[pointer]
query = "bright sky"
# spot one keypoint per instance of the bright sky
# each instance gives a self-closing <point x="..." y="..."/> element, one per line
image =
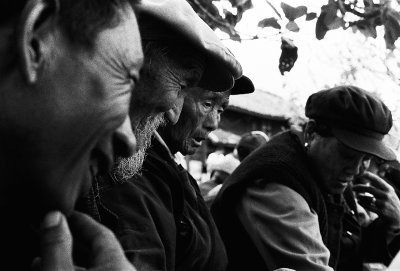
<point x="320" y="64"/>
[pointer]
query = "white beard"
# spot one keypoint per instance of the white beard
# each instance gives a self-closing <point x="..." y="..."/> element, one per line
<point x="126" y="168"/>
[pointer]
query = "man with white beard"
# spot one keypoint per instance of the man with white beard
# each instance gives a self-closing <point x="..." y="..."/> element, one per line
<point x="181" y="52"/>
<point x="182" y="55"/>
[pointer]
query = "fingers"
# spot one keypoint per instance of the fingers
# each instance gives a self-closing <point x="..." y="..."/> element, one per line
<point x="376" y="181"/>
<point x="104" y="248"/>
<point x="55" y="243"/>
<point x="362" y="188"/>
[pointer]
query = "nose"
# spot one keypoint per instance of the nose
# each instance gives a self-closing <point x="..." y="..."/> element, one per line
<point x="212" y="121"/>
<point x="358" y="166"/>
<point x="124" y="140"/>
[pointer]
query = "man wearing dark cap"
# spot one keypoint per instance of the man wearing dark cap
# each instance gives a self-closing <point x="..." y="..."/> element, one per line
<point x="284" y="205"/>
<point x="181" y="52"/>
<point x="163" y="221"/>
<point x="183" y="57"/>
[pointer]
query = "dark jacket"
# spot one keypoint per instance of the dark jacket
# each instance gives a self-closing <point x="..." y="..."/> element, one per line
<point x="161" y="219"/>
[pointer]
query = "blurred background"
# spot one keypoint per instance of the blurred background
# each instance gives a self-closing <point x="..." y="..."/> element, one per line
<point x="293" y="48"/>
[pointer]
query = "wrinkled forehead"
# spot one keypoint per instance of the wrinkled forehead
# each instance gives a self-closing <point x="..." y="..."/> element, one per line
<point x="120" y="47"/>
<point x="202" y="94"/>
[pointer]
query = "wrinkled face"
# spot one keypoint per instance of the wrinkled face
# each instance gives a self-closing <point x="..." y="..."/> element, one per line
<point x="65" y="127"/>
<point x="158" y="99"/>
<point x="336" y="164"/>
<point x="201" y="114"/>
<point x="160" y="89"/>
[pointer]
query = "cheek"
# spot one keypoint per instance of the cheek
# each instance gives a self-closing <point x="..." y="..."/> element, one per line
<point x="163" y="93"/>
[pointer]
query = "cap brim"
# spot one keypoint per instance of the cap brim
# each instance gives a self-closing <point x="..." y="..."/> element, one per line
<point x="243" y="85"/>
<point x="364" y="143"/>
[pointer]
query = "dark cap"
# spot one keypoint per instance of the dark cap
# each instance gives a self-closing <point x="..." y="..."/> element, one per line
<point x="249" y="142"/>
<point x="175" y="20"/>
<point x="243" y="85"/>
<point x="357" y="118"/>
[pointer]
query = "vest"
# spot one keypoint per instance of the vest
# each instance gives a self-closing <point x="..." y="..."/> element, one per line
<point x="282" y="160"/>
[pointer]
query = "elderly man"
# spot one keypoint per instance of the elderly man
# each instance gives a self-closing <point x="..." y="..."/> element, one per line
<point x="284" y="205"/>
<point x="66" y="73"/>
<point x="163" y="221"/>
<point x="183" y="57"/>
<point x="181" y="52"/>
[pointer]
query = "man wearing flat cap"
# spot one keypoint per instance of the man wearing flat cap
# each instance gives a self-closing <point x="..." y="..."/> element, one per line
<point x="284" y="206"/>
<point x="181" y="52"/>
<point x="163" y="221"/>
<point x="184" y="61"/>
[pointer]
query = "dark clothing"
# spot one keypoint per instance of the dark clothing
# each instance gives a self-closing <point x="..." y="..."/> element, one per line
<point x="19" y="242"/>
<point x="283" y="160"/>
<point x="357" y="244"/>
<point x="163" y="222"/>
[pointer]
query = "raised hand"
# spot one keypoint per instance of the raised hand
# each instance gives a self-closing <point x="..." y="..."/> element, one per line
<point x="386" y="203"/>
<point x="103" y="251"/>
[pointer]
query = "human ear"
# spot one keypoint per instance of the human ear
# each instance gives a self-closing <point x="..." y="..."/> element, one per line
<point x="29" y="42"/>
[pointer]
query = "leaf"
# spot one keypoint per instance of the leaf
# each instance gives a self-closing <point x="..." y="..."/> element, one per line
<point x="391" y="21"/>
<point x="335" y="24"/>
<point x="292" y="26"/>
<point x="230" y="18"/>
<point x="288" y="56"/>
<point x="292" y="13"/>
<point x="327" y="20"/>
<point x="311" y="16"/>
<point x="320" y="27"/>
<point x="269" y="22"/>
<point x="331" y="14"/>
<point x="210" y="14"/>
<point x="366" y="28"/>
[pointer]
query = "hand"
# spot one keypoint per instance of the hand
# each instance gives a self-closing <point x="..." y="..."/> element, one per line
<point x="386" y="203"/>
<point x="105" y="253"/>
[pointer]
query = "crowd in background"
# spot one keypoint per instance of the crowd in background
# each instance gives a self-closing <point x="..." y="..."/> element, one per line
<point x="98" y="97"/>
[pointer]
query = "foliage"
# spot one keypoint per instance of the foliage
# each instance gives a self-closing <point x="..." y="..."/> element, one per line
<point x="364" y="16"/>
<point x="288" y="56"/>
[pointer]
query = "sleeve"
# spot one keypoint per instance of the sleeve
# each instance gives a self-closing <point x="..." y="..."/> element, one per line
<point x="146" y="226"/>
<point x="374" y="245"/>
<point x="284" y="228"/>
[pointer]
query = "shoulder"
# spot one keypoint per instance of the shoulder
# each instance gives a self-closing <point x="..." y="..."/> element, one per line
<point x="276" y="196"/>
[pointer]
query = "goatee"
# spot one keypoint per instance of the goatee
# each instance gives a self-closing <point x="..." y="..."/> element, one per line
<point x="126" y="168"/>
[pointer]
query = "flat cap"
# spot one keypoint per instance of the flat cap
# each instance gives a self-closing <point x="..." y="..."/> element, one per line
<point x="175" y="20"/>
<point x="357" y="118"/>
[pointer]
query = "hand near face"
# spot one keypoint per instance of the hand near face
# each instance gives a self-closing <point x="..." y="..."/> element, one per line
<point x="105" y="253"/>
<point x="386" y="203"/>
